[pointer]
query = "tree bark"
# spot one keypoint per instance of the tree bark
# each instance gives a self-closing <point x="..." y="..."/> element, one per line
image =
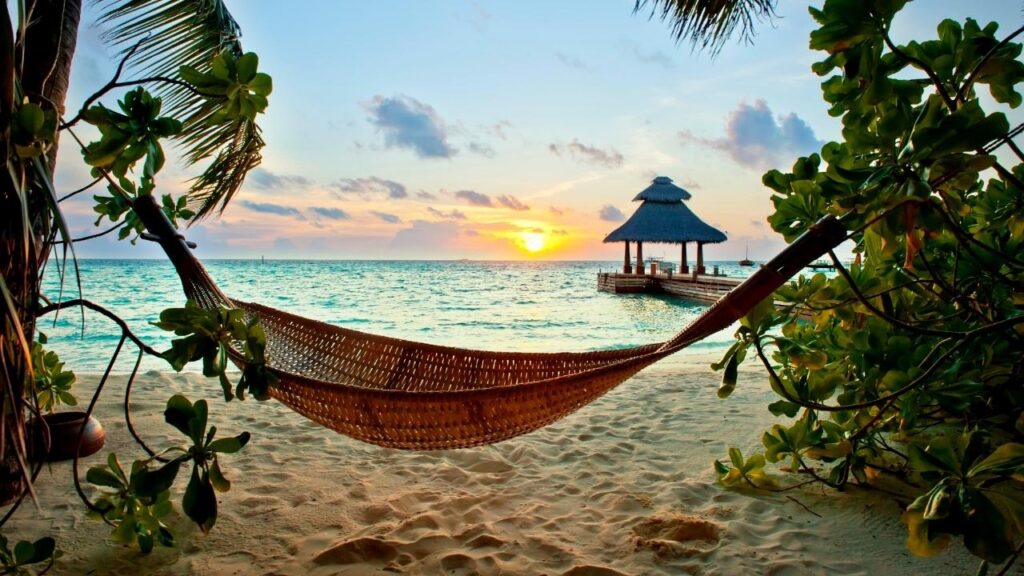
<point x="42" y="64"/>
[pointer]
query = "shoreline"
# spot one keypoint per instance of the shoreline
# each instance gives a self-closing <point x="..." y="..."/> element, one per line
<point x="623" y="486"/>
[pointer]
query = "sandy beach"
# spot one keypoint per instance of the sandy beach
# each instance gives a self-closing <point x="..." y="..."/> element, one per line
<point x="624" y="486"/>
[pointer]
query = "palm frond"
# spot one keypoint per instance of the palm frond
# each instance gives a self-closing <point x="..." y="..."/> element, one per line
<point x="174" y="33"/>
<point x="708" y="24"/>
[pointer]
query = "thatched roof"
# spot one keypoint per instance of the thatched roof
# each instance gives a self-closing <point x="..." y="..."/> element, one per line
<point x="664" y="217"/>
<point x="663" y="190"/>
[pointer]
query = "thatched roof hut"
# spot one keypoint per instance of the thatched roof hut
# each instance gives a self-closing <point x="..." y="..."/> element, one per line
<point x="664" y="217"/>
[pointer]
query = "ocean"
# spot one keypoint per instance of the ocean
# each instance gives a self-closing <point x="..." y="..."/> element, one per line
<point x="514" y="306"/>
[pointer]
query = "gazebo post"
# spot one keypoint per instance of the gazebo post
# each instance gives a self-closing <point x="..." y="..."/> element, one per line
<point x="639" y="257"/>
<point x="627" y="268"/>
<point x="684" y="265"/>
<point x="700" y="258"/>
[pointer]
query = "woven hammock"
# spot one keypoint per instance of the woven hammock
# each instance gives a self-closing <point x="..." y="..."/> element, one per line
<point x="403" y="394"/>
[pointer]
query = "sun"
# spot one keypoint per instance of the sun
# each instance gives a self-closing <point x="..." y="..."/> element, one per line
<point x="533" y="241"/>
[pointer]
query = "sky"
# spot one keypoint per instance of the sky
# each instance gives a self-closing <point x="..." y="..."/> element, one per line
<point x="498" y="130"/>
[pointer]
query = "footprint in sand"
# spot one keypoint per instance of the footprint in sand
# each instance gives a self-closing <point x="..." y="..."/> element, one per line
<point x="588" y="570"/>
<point x="359" y="550"/>
<point x="485" y="541"/>
<point x="676" y="536"/>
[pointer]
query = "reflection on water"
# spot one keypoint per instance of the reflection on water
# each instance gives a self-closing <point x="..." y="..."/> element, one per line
<point x="522" y="306"/>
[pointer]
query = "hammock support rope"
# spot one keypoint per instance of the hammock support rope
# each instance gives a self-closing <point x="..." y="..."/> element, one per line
<point x="403" y="394"/>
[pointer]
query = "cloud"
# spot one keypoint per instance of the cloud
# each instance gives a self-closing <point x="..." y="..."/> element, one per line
<point x="657" y="58"/>
<point x="263" y="179"/>
<point x="756" y="223"/>
<point x="332" y="213"/>
<point x="425" y="239"/>
<point x="284" y="245"/>
<point x="512" y="202"/>
<point x="571" y="61"/>
<point x="452" y="214"/>
<point x="474" y="198"/>
<point x="410" y="124"/>
<point x="560" y="232"/>
<point x="499" y="129"/>
<point x="481" y="148"/>
<point x="610" y="158"/>
<point x="389" y="218"/>
<point x="270" y="208"/>
<point x="610" y="213"/>
<point x="556" y="211"/>
<point x="370" y="187"/>
<point x="756" y="139"/>
<point x="424" y="195"/>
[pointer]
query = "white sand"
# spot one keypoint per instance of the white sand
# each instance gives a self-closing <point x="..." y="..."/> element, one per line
<point x="625" y="486"/>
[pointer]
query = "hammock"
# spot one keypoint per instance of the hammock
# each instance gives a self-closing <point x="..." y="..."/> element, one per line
<point x="403" y="394"/>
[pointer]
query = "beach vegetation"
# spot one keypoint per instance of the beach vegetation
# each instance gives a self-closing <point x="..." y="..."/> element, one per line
<point x="51" y="381"/>
<point x="40" y="555"/>
<point x="140" y="500"/>
<point x="182" y="78"/>
<point x="906" y="364"/>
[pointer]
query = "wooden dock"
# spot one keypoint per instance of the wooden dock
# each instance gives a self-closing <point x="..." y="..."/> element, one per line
<point x="702" y="288"/>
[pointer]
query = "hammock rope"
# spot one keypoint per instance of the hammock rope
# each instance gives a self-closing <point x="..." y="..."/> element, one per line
<point x="403" y="394"/>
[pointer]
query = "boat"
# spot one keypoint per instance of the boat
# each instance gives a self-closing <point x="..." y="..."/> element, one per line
<point x="746" y="258"/>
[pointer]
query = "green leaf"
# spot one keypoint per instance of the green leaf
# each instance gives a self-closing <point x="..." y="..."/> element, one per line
<point x="103" y="477"/>
<point x="44" y="549"/>
<point x="939" y="502"/>
<point x="784" y="408"/>
<point x="1007" y="459"/>
<point x="217" y="479"/>
<point x="736" y="457"/>
<point x="197" y="424"/>
<point x="115" y="467"/>
<point x="149" y="483"/>
<point x="179" y="413"/>
<point x="1011" y="506"/>
<point x="24" y="552"/>
<point x="729" y="377"/>
<point x="920" y="540"/>
<point x="229" y="445"/>
<point x="247" y="65"/>
<point x="262" y="85"/>
<point x="124" y="532"/>
<point x="759" y="315"/>
<point x="936" y="456"/>
<point x="985" y="532"/>
<point x="200" y="501"/>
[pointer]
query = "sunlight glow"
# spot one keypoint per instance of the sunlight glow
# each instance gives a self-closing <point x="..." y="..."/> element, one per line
<point x="533" y="241"/>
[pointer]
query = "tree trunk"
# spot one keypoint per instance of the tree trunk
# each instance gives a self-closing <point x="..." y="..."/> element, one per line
<point x="42" y="64"/>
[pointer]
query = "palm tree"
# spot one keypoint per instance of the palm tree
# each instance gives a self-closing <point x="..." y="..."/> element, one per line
<point x="708" y="24"/>
<point x="156" y="37"/>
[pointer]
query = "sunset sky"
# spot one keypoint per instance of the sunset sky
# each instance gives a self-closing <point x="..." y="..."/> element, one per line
<point x="500" y="130"/>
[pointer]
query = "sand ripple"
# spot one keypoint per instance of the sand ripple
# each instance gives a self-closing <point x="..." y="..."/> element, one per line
<point x="623" y="487"/>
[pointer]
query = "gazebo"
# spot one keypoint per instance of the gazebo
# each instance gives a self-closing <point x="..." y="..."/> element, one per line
<point x="663" y="217"/>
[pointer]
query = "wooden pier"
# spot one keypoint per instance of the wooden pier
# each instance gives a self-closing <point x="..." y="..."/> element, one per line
<point x="700" y="287"/>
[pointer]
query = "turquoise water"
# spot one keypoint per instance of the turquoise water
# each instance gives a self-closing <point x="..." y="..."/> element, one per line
<point x="519" y="306"/>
